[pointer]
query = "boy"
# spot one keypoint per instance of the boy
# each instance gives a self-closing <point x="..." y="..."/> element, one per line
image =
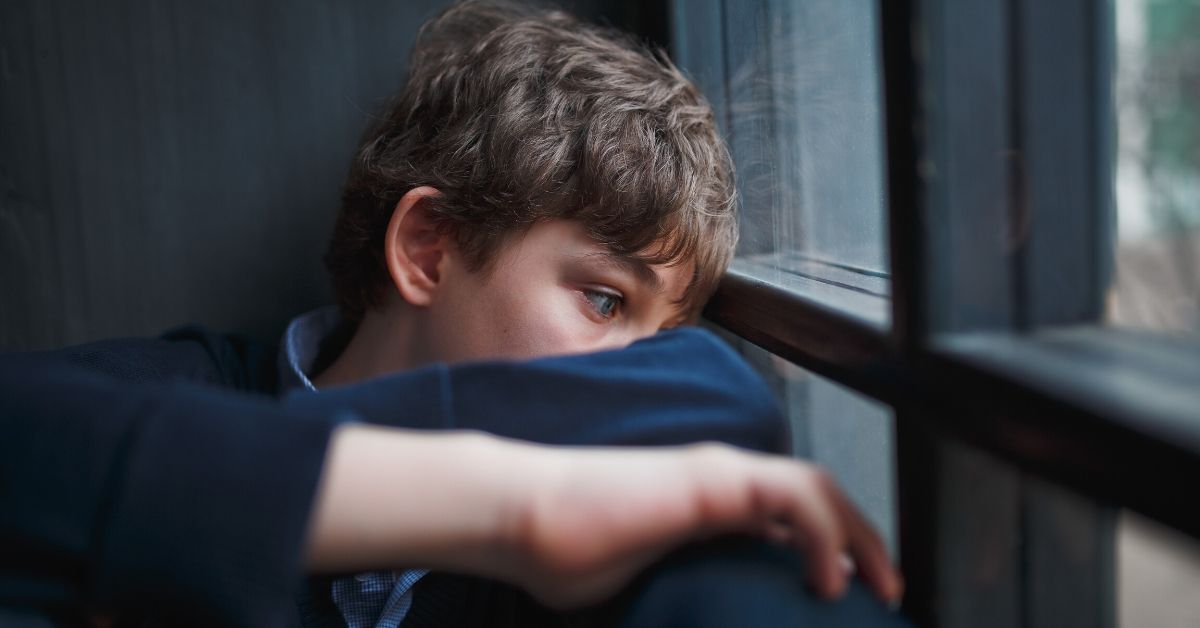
<point x="539" y="187"/>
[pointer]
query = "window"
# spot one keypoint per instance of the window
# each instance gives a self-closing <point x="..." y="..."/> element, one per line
<point x="946" y="237"/>
<point x="798" y="92"/>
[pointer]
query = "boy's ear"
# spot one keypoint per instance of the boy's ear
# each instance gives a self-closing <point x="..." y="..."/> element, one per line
<point x="415" y="247"/>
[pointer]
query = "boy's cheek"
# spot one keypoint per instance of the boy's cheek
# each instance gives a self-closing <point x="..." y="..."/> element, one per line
<point x="553" y="326"/>
<point x="504" y="327"/>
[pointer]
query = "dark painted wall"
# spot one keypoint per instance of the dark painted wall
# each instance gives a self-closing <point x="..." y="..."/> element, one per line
<point x="164" y="162"/>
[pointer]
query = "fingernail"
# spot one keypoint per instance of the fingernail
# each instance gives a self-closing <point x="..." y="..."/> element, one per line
<point x="848" y="566"/>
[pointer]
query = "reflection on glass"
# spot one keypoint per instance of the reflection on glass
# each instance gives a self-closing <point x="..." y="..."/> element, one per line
<point x="825" y="71"/>
<point x="801" y="108"/>
<point x="1158" y="165"/>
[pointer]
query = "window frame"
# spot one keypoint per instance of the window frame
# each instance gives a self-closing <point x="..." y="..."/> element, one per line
<point x="1039" y="382"/>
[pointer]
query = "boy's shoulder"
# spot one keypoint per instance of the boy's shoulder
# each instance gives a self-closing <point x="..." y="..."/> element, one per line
<point x="190" y="353"/>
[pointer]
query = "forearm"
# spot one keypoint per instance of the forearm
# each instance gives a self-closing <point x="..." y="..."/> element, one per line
<point x="569" y="525"/>
<point x="394" y="498"/>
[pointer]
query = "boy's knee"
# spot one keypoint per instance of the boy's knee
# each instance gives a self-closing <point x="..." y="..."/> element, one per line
<point x="743" y="582"/>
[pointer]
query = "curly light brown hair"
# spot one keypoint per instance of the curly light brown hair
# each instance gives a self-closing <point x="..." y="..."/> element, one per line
<point x="518" y="114"/>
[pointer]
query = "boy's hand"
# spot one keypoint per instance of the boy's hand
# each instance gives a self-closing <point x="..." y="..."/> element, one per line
<point x="599" y="516"/>
<point x="572" y="525"/>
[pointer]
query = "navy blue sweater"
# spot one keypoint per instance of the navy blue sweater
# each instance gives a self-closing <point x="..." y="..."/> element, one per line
<point x="163" y="477"/>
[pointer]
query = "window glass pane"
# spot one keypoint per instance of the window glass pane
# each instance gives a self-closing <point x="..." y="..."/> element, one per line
<point x="797" y="86"/>
<point x="1157" y="90"/>
<point x="1158" y="570"/>
<point x="826" y="69"/>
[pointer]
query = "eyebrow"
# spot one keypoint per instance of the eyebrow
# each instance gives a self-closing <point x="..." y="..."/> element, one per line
<point x="632" y="265"/>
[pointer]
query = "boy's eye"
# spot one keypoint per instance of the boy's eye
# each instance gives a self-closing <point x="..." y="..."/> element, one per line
<point x="606" y="304"/>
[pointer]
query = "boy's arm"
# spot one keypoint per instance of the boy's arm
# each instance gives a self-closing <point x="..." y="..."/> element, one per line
<point x="185" y="499"/>
<point x="673" y="388"/>
<point x="572" y="526"/>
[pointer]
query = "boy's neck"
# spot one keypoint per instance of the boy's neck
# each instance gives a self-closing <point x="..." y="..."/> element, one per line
<point x="380" y="345"/>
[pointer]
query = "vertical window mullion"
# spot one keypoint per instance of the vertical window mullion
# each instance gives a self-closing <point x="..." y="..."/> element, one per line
<point x="1060" y="71"/>
<point x="949" y="159"/>
<point x="992" y="231"/>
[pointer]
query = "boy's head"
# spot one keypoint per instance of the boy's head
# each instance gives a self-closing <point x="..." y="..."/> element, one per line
<point x="533" y="168"/>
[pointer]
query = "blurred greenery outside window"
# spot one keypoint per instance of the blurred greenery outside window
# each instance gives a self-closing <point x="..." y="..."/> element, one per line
<point x="1157" y="103"/>
<point x="1157" y="257"/>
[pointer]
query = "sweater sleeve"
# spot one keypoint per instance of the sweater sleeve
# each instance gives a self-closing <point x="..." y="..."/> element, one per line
<point x="177" y="500"/>
<point x="191" y="502"/>
<point x="675" y="387"/>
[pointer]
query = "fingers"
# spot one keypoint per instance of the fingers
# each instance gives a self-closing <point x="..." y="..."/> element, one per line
<point x="827" y="527"/>
<point x="869" y="552"/>
<point x="824" y="537"/>
<point x="794" y="507"/>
